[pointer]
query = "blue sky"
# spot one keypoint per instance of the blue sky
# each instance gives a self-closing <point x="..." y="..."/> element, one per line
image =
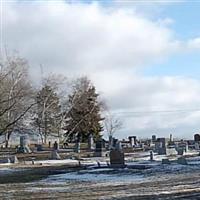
<point x="186" y="16"/>
<point x="141" y="61"/>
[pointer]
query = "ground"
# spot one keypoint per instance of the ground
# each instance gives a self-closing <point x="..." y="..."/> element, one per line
<point x="76" y="178"/>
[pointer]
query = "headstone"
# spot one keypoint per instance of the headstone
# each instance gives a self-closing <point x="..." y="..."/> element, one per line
<point x="55" y="145"/>
<point x="110" y="144"/>
<point x="91" y="142"/>
<point x="153" y="138"/>
<point x="24" y="142"/>
<point x="77" y="147"/>
<point x="118" y="146"/>
<point x="180" y="151"/>
<point x="182" y="161"/>
<point x="14" y="159"/>
<point x="160" y="146"/>
<point x="55" y="155"/>
<point x="171" y="151"/>
<point x="117" y="158"/>
<point x="151" y="155"/>
<point x="196" y="145"/>
<point x="39" y="147"/>
<point x="78" y="144"/>
<point x="98" y="149"/>
<point x="132" y="140"/>
<point x="166" y="161"/>
<point x="186" y="147"/>
<point x="4" y="160"/>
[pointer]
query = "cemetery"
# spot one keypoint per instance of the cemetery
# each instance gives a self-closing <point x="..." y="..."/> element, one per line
<point x="144" y="166"/>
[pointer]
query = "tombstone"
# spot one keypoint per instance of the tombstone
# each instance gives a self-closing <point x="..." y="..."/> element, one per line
<point x="166" y="161"/>
<point x="90" y="142"/>
<point x="55" y="155"/>
<point x="77" y="147"/>
<point x="153" y="138"/>
<point x="110" y="146"/>
<point x="39" y="147"/>
<point x="4" y="160"/>
<point x="132" y="140"/>
<point x="55" y="146"/>
<point x="78" y="144"/>
<point x="114" y="143"/>
<point x="117" y="158"/>
<point x="182" y="161"/>
<point x="118" y="146"/>
<point x="160" y="146"/>
<point x="99" y="149"/>
<point x="14" y="159"/>
<point x="171" y="151"/>
<point x="24" y="142"/>
<point x="196" y="146"/>
<point x="151" y="155"/>
<point x="180" y="151"/>
<point x="197" y="138"/>
<point x="186" y="147"/>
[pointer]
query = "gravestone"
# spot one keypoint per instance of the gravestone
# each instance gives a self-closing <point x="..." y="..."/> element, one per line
<point x="196" y="146"/>
<point x="166" y="161"/>
<point x="117" y="158"/>
<point x="180" y="151"/>
<point x="90" y="142"/>
<point x="24" y="142"/>
<point x="55" y="155"/>
<point x="99" y="149"/>
<point x="110" y="145"/>
<point x="4" y="160"/>
<point x="160" y="146"/>
<point x="77" y="147"/>
<point x="151" y="155"/>
<point x="78" y="144"/>
<point x="39" y="147"/>
<point x="55" y="146"/>
<point x="118" y="146"/>
<point x="132" y="140"/>
<point x="182" y="161"/>
<point x="13" y="159"/>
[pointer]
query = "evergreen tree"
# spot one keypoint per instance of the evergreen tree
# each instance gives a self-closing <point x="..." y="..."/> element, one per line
<point x="83" y="117"/>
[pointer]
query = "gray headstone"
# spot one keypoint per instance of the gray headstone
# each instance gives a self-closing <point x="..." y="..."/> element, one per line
<point x="55" y="155"/>
<point x="77" y="147"/>
<point x="4" y="160"/>
<point x="151" y="155"/>
<point x="55" y="145"/>
<point x="14" y="159"/>
<point x="196" y="145"/>
<point x="117" y="158"/>
<point x="118" y="146"/>
<point x="39" y="147"/>
<point x="182" y="161"/>
<point x="24" y="142"/>
<point x="166" y="161"/>
<point x="91" y="142"/>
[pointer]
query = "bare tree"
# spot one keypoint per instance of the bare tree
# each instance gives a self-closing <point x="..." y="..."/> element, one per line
<point x="112" y="124"/>
<point x="15" y="94"/>
<point x="48" y="115"/>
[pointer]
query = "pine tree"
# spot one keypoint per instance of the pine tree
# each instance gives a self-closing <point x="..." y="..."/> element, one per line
<point x="83" y="117"/>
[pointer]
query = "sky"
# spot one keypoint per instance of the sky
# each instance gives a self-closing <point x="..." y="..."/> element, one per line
<point x="142" y="56"/>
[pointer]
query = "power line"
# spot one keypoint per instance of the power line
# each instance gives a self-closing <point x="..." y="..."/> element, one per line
<point x="140" y="113"/>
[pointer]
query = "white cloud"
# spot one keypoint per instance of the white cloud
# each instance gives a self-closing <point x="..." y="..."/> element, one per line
<point x="109" y="45"/>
